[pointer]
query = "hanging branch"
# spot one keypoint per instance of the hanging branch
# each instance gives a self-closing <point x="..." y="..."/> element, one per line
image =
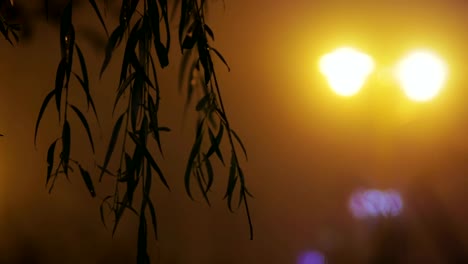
<point x="144" y="27"/>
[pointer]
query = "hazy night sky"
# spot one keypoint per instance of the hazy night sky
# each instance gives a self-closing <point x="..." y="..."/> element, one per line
<point x="308" y="148"/>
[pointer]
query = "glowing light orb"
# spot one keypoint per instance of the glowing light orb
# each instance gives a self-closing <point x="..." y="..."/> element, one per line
<point x="346" y="70"/>
<point x="311" y="257"/>
<point x="375" y="203"/>
<point x="422" y="75"/>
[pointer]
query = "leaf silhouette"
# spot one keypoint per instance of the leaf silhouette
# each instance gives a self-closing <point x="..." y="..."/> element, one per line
<point x="192" y="36"/>
<point x="151" y="161"/>
<point x="59" y="81"/>
<point x="130" y="47"/>
<point x="201" y="180"/>
<point x="136" y="100"/>
<point x="153" y="113"/>
<point x="130" y="176"/>
<point x="232" y="181"/>
<point x="110" y="148"/>
<point x="41" y="112"/>
<point x="119" y="211"/>
<point x="87" y="180"/>
<point x="210" y="172"/>
<point x="193" y="154"/>
<point x="164" y="11"/>
<point x="66" y="144"/>
<point x="147" y="190"/>
<point x="220" y="57"/>
<point x="85" y="124"/>
<point x="67" y="38"/>
<point x="209" y="31"/>
<point x="203" y="102"/>
<point x="215" y="142"/>
<point x="85" y="81"/>
<point x="142" y="255"/>
<point x="153" y="218"/>
<point x="112" y="43"/>
<point x="98" y="13"/>
<point x="123" y="87"/>
<point x="240" y="143"/>
<point x="50" y="160"/>
<point x="161" y="50"/>
<point x="101" y="209"/>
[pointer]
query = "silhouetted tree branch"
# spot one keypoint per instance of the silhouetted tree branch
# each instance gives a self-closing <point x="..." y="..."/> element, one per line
<point x="144" y="32"/>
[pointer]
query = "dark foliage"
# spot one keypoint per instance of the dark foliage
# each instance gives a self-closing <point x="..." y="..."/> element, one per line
<point x="143" y="31"/>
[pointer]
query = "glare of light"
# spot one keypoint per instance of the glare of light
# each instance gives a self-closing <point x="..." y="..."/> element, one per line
<point x="311" y="257"/>
<point x="346" y="70"/>
<point x="422" y="75"/>
<point x="375" y="203"/>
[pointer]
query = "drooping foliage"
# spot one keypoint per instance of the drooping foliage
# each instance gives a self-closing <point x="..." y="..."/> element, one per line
<point x="143" y="31"/>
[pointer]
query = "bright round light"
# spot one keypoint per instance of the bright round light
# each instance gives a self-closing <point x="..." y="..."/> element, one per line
<point x="346" y="70"/>
<point x="422" y="75"/>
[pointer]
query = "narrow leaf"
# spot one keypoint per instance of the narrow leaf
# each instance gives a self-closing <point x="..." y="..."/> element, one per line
<point x="210" y="172"/>
<point x="242" y="186"/>
<point x="123" y="87"/>
<point x="41" y="112"/>
<point x="231" y="181"/>
<point x="161" y="50"/>
<point x="110" y="148"/>
<point x="119" y="212"/>
<point x="209" y="31"/>
<point x="59" y="81"/>
<point x="50" y="160"/>
<point x="163" y="5"/>
<point x="138" y="68"/>
<point x="85" y="124"/>
<point x="66" y="144"/>
<point x="136" y="101"/>
<point x="200" y="179"/>
<point x="112" y="43"/>
<point x="153" y="113"/>
<point x="87" y="180"/>
<point x="150" y="159"/>
<point x="203" y="101"/>
<point x="221" y="57"/>
<point x="193" y="154"/>
<point x="240" y="143"/>
<point x="85" y="80"/>
<point x="130" y="176"/>
<point x="101" y="209"/>
<point x="215" y="143"/>
<point x="67" y="38"/>
<point x="142" y="254"/>
<point x="106" y="171"/>
<point x="98" y="13"/>
<point x="153" y="218"/>
<point x="132" y="41"/>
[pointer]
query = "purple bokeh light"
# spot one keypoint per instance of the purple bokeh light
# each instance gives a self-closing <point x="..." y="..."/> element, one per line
<point x="374" y="203"/>
<point x="311" y="257"/>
